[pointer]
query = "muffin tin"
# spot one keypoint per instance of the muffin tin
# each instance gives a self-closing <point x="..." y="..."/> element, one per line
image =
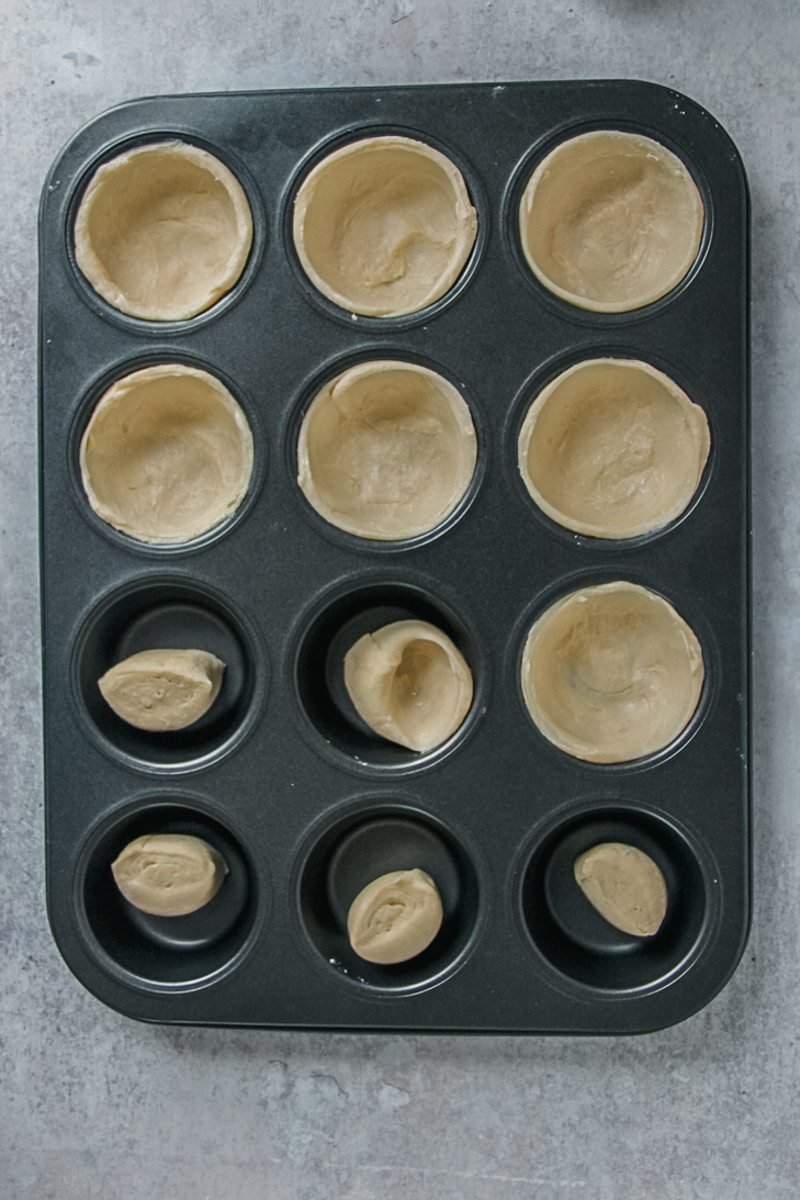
<point x="305" y="804"/>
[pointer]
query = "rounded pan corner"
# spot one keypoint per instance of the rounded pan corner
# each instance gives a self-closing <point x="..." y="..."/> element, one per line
<point x="697" y="1003"/>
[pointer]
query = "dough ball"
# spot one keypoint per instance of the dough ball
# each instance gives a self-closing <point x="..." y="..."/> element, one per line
<point x="611" y="221"/>
<point x="409" y="683"/>
<point x="625" y="886"/>
<point x="167" y="454"/>
<point x="613" y="448"/>
<point x="160" y="690"/>
<point x="384" y="226"/>
<point x="395" y="917"/>
<point x="169" y="874"/>
<point x="163" y="231"/>
<point x="386" y="450"/>
<point x="611" y="673"/>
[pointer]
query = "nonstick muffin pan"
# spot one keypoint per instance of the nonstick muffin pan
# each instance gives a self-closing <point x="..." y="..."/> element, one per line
<point x="281" y="775"/>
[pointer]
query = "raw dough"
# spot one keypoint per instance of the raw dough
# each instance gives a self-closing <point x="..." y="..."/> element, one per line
<point x="409" y="683"/>
<point x="384" y="226"/>
<point x="611" y="221"/>
<point x="163" y="231"/>
<point x="395" y="917"/>
<point x="169" y="874"/>
<point x="167" y="454"/>
<point x="160" y="690"/>
<point x="611" y="673"/>
<point x="625" y="886"/>
<point x="613" y="448"/>
<point x="386" y="450"/>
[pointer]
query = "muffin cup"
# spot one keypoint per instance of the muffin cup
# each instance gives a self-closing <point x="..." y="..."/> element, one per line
<point x="384" y="226"/>
<point x="611" y="221"/>
<point x="125" y="231"/>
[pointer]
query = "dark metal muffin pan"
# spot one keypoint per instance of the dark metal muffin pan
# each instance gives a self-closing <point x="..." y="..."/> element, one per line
<point x="304" y="802"/>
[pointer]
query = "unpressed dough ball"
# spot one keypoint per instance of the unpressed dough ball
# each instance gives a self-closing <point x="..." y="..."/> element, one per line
<point x="395" y="917"/>
<point x="169" y="874"/>
<point x="162" y="690"/>
<point x="625" y="886"/>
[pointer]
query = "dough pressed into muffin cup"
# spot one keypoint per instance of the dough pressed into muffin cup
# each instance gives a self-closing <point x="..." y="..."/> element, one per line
<point x="611" y="221"/>
<point x="386" y="450"/>
<point x="384" y="226"/>
<point x="410" y="683"/>
<point x="611" y="673"/>
<point x="163" y="231"/>
<point x="167" y="454"/>
<point x="613" y="448"/>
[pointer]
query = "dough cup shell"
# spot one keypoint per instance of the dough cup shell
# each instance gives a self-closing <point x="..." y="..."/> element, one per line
<point x="163" y="231"/>
<point x="167" y="454"/>
<point x="611" y="221"/>
<point x="611" y="673"/>
<point x="386" y="450"/>
<point x="613" y="448"/>
<point x="384" y="226"/>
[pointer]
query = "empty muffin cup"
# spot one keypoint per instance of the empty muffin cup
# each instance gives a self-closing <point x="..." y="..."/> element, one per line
<point x="611" y="673"/>
<point x="163" y="231"/>
<point x="386" y="450"/>
<point x="167" y="454"/>
<point x="410" y="683"/>
<point x="613" y="448"/>
<point x="610" y="221"/>
<point x="384" y="226"/>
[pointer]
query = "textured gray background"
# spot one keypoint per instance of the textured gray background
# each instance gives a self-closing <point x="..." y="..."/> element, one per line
<point x="94" y="1105"/>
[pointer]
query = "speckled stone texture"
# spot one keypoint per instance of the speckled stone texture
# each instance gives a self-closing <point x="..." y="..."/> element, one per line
<point x="94" y="1105"/>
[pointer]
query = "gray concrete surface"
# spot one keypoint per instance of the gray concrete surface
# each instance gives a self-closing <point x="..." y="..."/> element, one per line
<point x="93" y="1105"/>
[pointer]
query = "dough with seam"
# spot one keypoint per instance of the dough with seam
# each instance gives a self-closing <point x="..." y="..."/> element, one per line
<point x="169" y="874"/>
<point x="395" y="917"/>
<point x="163" y="690"/>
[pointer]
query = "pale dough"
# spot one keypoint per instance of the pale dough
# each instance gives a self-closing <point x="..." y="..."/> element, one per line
<point x="169" y="874"/>
<point x="611" y="221"/>
<point x="386" y="450"/>
<point x="409" y="683"/>
<point x="167" y="454"/>
<point x="613" y="448"/>
<point x="625" y="886"/>
<point x="395" y="917"/>
<point x="161" y="690"/>
<point x="163" y="231"/>
<point x="611" y="673"/>
<point x="384" y="226"/>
